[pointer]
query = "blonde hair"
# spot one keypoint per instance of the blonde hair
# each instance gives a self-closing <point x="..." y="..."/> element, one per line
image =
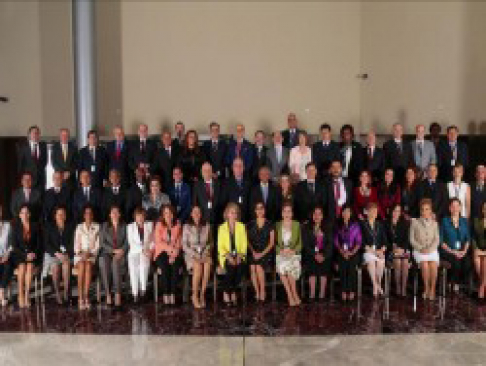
<point x="231" y="206"/>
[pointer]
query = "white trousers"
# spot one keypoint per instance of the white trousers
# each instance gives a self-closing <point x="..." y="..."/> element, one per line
<point x="138" y="267"/>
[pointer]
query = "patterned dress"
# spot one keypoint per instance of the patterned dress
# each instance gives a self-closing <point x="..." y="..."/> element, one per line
<point x="259" y="238"/>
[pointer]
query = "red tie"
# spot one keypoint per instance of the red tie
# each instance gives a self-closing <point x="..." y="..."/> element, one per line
<point x="208" y="191"/>
<point x="337" y="196"/>
<point x="118" y="151"/>
<point x="238" y="149"/>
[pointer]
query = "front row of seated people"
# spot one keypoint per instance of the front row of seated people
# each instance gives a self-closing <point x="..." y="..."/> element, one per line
<point x="315" y="248"/>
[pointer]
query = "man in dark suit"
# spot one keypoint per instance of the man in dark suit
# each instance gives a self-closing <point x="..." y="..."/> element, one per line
<point x="32" y="158"/>
<point x="118" y="151"/>
<point x="180" y="135"/>
<point x="436" y="190"/>
<point x="165" y="159"/>
<point x="207" y="195"/>
<point x="93" y="159"/>
<point x="84" y="195"/>
<point x="215" y="150"/>
<point x="135" y="193"/>
<point x="325" y="151"/>
<point x="337" y="192"/>
<point x="240" y="147"/>
<point x="26" y="194"/>
<point x="265" y="192"/>
<point x="291" y="134"/>
<point x="373" y="158"/>
<point x="398" y="154"/>
<point x="57" y="196"/>
<point x="180" y="195"/>
<point x="478" y="192"/>
<point x="237" y="189"/>
<point x="64" y="157"/>
<point x="450" y="153"/>
<point x="260" y="154"/>
<point x="114" y="195"/>
<point x="351" y="154"/>
<point x="309" y="194"/>
<point x="142" y="150"/>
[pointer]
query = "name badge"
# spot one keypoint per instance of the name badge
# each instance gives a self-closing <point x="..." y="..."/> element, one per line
<point x="93" y="168"/>
<point x="240" y="200"/>
<point x="458" y="245"/>
<point x="373" y="247"/>
<point x="63" y="250"/>
<point x="210" y="204"/>
<point x="233" y="253"/>
<point x="316" y="249"/>
<point x="453" y="162"/>
<point x="345" y="246"/>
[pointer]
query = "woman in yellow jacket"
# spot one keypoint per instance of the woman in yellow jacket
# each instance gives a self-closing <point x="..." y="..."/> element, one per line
<point x="232" y="248"/>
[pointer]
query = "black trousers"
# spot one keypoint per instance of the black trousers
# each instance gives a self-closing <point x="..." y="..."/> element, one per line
<point x="348" y="272"/>
<point x="170" y="273"/>
<point x="6" y="273"/>
<point x="459" y="267"/>
<point x="233" y="277"/>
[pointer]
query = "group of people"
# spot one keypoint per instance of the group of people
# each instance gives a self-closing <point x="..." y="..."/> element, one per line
<point x="237" y="208"/>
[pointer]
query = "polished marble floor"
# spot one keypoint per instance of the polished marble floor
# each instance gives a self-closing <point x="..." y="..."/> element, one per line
<point x="456" y="314"/>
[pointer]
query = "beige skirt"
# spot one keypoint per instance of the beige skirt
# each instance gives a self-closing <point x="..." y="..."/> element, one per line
<point x="289" y="265"/>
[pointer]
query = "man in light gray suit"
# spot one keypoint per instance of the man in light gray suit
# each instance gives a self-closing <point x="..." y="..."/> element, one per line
<point x="278" y="156"/>
<point x="423" y="150"/>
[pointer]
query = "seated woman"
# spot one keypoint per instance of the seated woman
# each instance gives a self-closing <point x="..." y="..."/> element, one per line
<point x="289" y="247"/>
<point x="167" y="252"/>
<point x="26" y="248"/>
<point x="6" y="268"/>
<point x="425" y="239"/>
<point x="232" y="251"/>
<point x="86" y="245"/>
<point x="197" y="244"/>
<point x="347" y="240"/>
<point x="455" y="239"/>
<point x="59" y="245"/>
<point x="261" y="241"/>
<point x="140" y="239"/>
<point x="397" y="229"/>
<point x="479" y="250"/>
<point x="113" y="249"/>
<point x="409" y="199"/>
<point x="317" y="252"/>
<point x="153" y="201"/>
<point x="363" y="195"/>
<point x="388" y="194"/>
<point x="375" y="245"/>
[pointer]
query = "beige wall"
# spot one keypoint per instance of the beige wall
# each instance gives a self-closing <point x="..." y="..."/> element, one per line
<point x="35" y="66"/>
<point x="244" y="62"/>
<point x="427" y="61"/>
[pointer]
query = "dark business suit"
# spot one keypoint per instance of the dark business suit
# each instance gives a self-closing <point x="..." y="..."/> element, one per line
<point x="330" y="204"/>
<point x="134" y="196"/>
<point x="22" y="247"/>
<point x="398" y="157"/>
<point x="271" y="205"/>
<point x="119" y="161"/>
<point x="110" y="198"/>
<point x="445" y="158"/>
<point x="57" y="241"/>
<point x="246" y="153"/>
<point x="164" y="162"/>
<point x="374" y="162"/>
<point x="437" y="192"/>
<point x="35" y="203"/>
<point x="323" y="155"/>
<point x="307" y="197"/>
<point x="142" y="153"/>
<point x="70" y="164"/>
<point x="181" y="199"/>
<point x="80" y="201"/>
<point x="290" y="140"/>
<point x="53" y="199"/>
<point x="211" y="214"/>
<point x="97" y="167"/>
<point x="239" y="194"/>
<point x="260" y="159"/>
<point x="356" y="162"/>
<point x="28" y="162"/>
<point x="478" y="197"/>
<point x="216" y="154"/>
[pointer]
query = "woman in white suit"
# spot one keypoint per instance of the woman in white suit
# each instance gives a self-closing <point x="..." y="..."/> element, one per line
<point x="140" y="242"/>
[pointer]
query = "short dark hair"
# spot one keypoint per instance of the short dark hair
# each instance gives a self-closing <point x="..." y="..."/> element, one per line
<point x="34" y="127"/>
<point x="190" y="220"/>
<point x="434" y="125"/>
<point x="325" y="126"/>
<point x="452" y="127"/>
<point x="214" y="124"/>
<point x="347" y="127"/>
<point x="92" y="132"/>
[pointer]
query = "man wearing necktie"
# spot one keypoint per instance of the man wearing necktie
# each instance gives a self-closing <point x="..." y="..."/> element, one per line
<point x="424" y="150"/>
<point x="114" y="195"/>
<point x="86" y="194"/>
<point x="64" y="157"/>
<point x="325" y="151"/>
<point x="309" y="194"/>
<point x="338" y="191"/>
<point x="32" y="157"/>
<point x="57" y="196"/>
<point x="26" y="194"/>
<point x="119" y="155"/>
<point x="352" y="154"/>
<point x="290" y="135"/>
<point x="433" y="188"/>
<point x="398" y="153"/>
<point x="452" y="152"/>
<point x="478" y="192"/>
<point x="236" y="189"/>
<point x="265" y="192"/>
<point x="207" y="195"/>
<point x="143" y="150"/>
<point x="93" y="159"/>
<point x="216" y="150"/>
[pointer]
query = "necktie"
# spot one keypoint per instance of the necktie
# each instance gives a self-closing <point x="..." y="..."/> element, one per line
<point x="57" y="190"/>
<point x="178" y="192"/>
<point x="86" y="193"/>
<point x="370" y="153"/>
<point x="168" y="150"/>
<point x="92" y="151"/>
<point x="265" y="192"/>
<point x="208" y="191"/>
<point x="118" y="150"/>
<point x="35" y="152"/>
<point x="64" y="152"/>
<point x="312" y="187"/>
<point x="420" y="149"/>
<point x="279" y="155"/>
<point x="115" y="190"/>
<point x="337" y="196"/>
<point x="27" y="195"/>
<point x="238" y="149"/>
<point x="238" y="181"/>
<point x="142" y="146"/>
<point x="215" y="146"/>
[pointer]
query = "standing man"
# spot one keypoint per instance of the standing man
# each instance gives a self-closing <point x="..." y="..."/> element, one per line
<point x="180" y="195"/>
<point x="374" y="158"/>
<point x="93" y="159"/>
<point x="118" y="152"/>
<point x="452" y="152"/>
<point x="260" y="154"/>
<point x="57" y="196"/>
<point x="423" y="150"/>
<point x="32" y="157"/>
<point x="65" y="157"/>
<point x="325" y="151"/>
<point x="337" y="192"/>
<point x="241" y="147"/>
<point x="398" y="154"/>
<point x="215" y="150"/>
<point x="478" y="192"/>
<point x="237" y="189"/>
<point x="207" y="195"/>
<point x="180" y="135"/>
<point x="278" y="156"/>
<point x="291" y="134"/>
<point x="351" y="154"/>
<point x="165" y="159"/>
<point x="143" y="150"/>
<point x="266" y="192"/>
<point x="27" y="194"/>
